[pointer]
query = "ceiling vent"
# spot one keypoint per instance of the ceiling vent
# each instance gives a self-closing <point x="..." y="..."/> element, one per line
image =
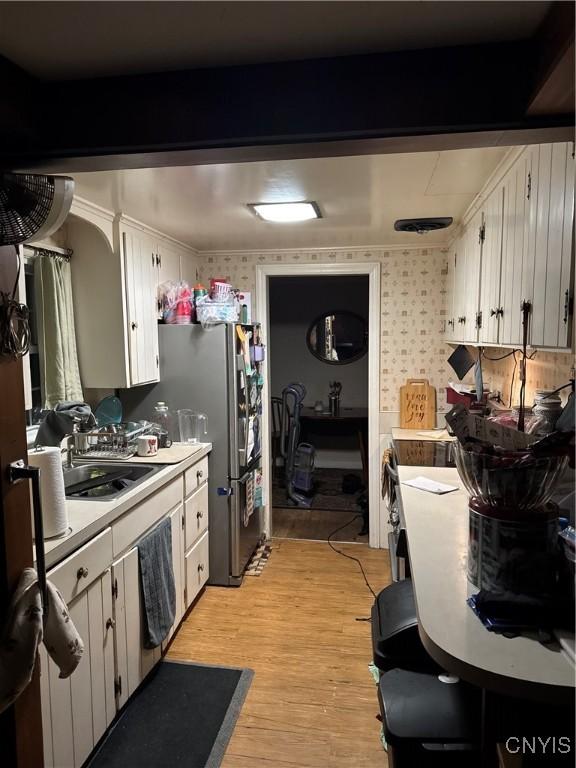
<point x="421" y="226"/>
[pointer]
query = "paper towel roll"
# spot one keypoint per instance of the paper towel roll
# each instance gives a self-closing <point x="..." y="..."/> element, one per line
<point x="52" y="491"/>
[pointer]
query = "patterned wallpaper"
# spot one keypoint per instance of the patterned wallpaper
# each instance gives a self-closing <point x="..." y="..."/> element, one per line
<point x="413" y="288"/>
<point x="547" y="370"/>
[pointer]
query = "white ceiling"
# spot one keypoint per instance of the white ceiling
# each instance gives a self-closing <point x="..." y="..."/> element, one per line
<point x="360" y="197"/>
<point x="68" y="40"/>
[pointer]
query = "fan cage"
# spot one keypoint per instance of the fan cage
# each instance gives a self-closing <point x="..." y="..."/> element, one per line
<point x="25" y="203"/>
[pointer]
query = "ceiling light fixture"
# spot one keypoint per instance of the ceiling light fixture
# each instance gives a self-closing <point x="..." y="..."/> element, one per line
<point x="286" y="213"/>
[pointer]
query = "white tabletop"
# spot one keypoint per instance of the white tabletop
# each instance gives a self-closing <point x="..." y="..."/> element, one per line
<point x="437" y="529"/>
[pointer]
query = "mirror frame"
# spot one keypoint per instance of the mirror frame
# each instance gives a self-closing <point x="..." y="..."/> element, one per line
<point x="353" y="359"/>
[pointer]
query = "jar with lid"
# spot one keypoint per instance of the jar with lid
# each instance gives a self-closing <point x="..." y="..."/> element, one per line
<point x="547" y="408"/>
<point x="164" y="418"/>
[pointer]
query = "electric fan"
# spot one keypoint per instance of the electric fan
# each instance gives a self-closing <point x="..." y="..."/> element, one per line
<point x="32" y="205"/>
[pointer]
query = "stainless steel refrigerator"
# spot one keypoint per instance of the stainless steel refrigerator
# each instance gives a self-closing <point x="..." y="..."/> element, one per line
<point x="217" y="372"/>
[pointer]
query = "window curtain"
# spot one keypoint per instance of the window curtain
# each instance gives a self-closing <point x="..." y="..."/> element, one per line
<point x="59" y="371"/>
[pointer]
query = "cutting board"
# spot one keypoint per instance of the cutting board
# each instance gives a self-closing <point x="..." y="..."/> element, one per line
<point x="417" y="405"/>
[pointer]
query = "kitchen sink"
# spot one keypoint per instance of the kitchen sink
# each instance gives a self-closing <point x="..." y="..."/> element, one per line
<point x="105" y="481"/>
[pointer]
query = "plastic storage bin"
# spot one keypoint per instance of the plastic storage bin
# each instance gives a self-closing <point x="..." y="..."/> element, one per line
<point x="429" y="723"/>
<point x="395" y="638"/>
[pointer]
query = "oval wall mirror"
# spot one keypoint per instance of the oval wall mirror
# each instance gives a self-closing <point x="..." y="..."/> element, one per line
<point x="338" y="337"/>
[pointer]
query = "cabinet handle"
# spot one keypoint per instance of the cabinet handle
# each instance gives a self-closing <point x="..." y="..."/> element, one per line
<point x="199" y="515"/>
<point x="200" y="568"/>
<point x="199" y="475"/>
<point x="110" y="624"/>
<point x="479" y="320"/>
<point x="82" y="573"/>
<point x="529" y="187"/>
<point x="461" y="319"/>
<point x="566" y="306"/>
<point x="133" y="325"/>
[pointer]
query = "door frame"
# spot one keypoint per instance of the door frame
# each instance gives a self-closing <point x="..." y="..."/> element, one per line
<point x="372" y="270"/>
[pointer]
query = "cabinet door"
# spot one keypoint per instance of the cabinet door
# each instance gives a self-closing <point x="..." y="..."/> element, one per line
<point x="133" y="661"/>
<point x="490" y="272"/>
<point x="76" y="711"/>
<point x="449" y="333"/>
<point x="189" y="268"/>
<point x="471" y="262"/>
<point x="168" y="258"/>
<point x="141" y="283"/>
<point x="553" y="246"/>
<point x="177" y="521"/>
<point x="517" y="191"/>
<point x="197" y="568"/>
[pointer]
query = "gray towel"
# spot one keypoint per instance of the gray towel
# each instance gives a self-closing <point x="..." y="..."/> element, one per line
<point x="158" y="591"/>
<point x="60" y="422"/>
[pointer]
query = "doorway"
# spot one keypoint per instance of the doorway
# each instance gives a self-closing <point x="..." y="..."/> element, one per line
<point x="319" y="339"/>
<point x="274" y="299"/>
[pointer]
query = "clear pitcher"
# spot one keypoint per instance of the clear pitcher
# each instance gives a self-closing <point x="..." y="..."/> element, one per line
<point x="193" y="426"/>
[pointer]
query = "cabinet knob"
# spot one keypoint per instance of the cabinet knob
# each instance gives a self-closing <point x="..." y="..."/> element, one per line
<point x="110" y="624"/>
<point x="451" y="322"/>
<point x="82" y="573"/>
<point x="461" y="319"/>
<point x="199" y="514"/>
<point x="200" y="568"/>
<point x="500" y="311"/>
<point x="493" y="312"/>
<point x="133" y="325"/>
<point x="199" y="474"/>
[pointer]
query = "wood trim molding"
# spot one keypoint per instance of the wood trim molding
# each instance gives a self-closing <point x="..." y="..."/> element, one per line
<point x="372" y="269"/>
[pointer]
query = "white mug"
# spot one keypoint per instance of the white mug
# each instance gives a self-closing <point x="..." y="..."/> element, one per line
<point x="147" y="445"/>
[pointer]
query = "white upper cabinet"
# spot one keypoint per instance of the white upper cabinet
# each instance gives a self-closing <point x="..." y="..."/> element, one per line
<point x="517" y="201"/>
<point x="450" y="333"/>
<point x="553" y="250"/>
<point x="526" y="256"/>
<point x="115" y="278"/>
<point x="141" y="277"/>
<point x="490" y="306"/>
<point x="469" y="285"/>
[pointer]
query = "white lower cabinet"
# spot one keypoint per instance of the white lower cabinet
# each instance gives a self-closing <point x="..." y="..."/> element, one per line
<point x="133" y="660"/>
<point x="101" y="583"/>
<point x="76" y="711"/>
<point x="197" y="568"/>
<point x="177" y="521"/>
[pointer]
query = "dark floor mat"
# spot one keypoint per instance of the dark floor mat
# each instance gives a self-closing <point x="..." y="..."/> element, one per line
<point x="183" y="715"/>
<point x="328" y="493"/>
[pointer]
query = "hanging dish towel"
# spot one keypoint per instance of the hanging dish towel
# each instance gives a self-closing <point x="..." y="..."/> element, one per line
<point x="157" y="574"/>
<point x="23" y="634"/>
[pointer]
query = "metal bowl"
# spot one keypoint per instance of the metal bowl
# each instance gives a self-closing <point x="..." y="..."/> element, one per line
<point x="515" y="481"/>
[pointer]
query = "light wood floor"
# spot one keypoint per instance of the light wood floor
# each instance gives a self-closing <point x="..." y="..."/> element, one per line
<point x="295" y="523"/>
<point x="312" y="703"/>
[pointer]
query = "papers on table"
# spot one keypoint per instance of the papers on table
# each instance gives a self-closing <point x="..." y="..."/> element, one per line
<point x="432" y="486"/>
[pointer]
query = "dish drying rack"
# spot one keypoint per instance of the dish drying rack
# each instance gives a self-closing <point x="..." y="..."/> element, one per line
<point x="112" y="442"/>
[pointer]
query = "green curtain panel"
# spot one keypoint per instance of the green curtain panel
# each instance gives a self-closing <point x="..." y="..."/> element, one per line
<point x="59" y="369"/>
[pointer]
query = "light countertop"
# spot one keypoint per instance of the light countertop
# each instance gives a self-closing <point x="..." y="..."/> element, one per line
<point x="437" y="529"/>
<point x="87" y="518"/>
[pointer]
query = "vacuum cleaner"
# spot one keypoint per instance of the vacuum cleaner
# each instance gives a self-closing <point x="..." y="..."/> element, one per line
<point x="298" y="457"/>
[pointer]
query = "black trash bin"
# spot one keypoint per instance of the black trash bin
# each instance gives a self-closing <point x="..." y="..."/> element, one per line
<point x="429" y="723"/>
<point x="395" y="639"/>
